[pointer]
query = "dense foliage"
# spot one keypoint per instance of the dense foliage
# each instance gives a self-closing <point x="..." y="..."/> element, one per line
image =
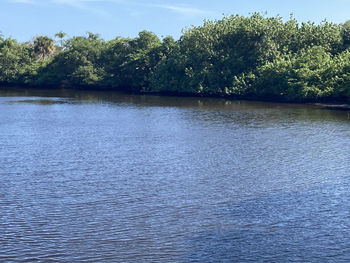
<point x="253" y="57"/>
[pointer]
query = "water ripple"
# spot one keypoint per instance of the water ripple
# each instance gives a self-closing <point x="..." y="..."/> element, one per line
<point x="141" y="179"/>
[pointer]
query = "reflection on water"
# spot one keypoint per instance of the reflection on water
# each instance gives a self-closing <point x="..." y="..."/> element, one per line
<point x="111" y="177"/>
<point x="41" y="101"/>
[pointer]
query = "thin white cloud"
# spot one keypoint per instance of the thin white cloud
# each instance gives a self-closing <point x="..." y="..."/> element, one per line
<point x="183" y="10"/>
<point x="84" y="5"/>
<point x="80" y="2"/>
<point x="22" y="1"/>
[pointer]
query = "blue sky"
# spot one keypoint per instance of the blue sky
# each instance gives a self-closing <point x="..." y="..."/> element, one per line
<point x="24" y="19"/>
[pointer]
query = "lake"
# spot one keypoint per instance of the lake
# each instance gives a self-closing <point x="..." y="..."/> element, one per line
<point x="112" y="177"/>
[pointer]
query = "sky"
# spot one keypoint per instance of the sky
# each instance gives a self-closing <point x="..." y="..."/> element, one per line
<point x="25" y="19"/>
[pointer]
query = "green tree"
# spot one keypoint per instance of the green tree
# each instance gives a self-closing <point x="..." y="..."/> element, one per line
<point x="327" y="35"/>
<point x="131" y="62"/>
<point x="44" y="47"/>
<point x="255" y="56"/>
<point x="16" y="62"/>
<point x="79" y="64"/>
<point x="346" y="34"/>
<point x="61" y="35"/>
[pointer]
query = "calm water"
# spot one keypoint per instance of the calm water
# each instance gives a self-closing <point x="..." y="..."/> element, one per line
<point x="106" y="177"/>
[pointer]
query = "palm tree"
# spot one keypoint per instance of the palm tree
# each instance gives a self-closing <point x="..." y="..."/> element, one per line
<point x="44" y="47"/>
<point x="61" y="35"/>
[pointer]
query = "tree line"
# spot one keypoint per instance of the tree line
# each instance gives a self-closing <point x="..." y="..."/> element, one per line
<point x="246" y="57"/>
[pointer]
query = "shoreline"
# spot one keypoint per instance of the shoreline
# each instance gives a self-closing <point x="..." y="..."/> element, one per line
<point x="330" y="104"/>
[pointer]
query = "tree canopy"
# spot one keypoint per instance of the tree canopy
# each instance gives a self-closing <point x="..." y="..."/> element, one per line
<point x="253" y="57"/>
